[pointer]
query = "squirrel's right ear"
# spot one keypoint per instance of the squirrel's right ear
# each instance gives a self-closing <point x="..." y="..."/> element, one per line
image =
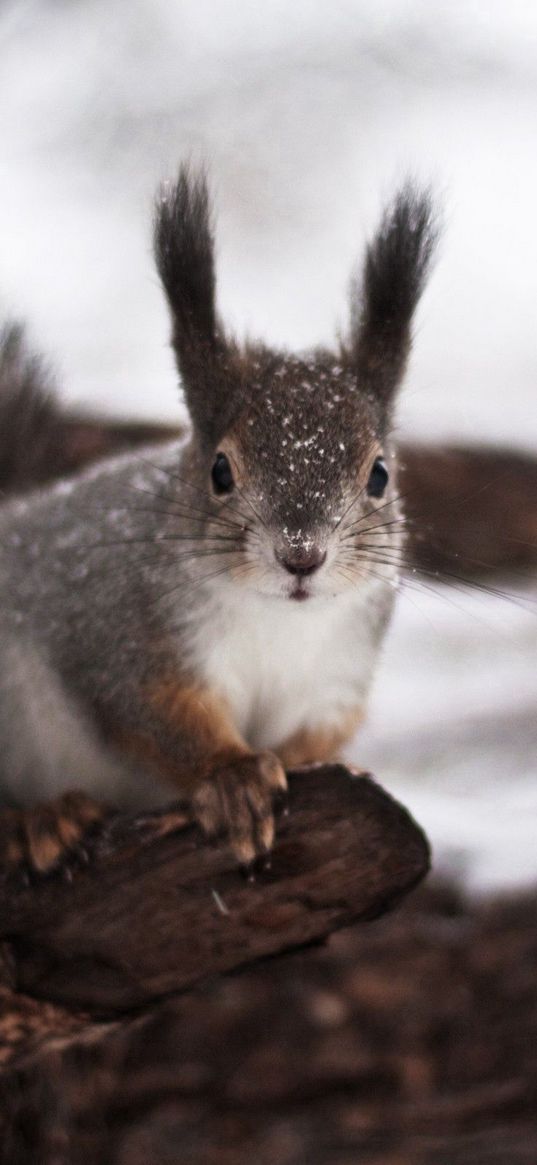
<point x="397" y="263"/>
<point x="184" y="253"/>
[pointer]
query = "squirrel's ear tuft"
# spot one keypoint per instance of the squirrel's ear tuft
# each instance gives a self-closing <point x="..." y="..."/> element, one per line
<point x="396" y="266"/>
<point x="184" y="253"/>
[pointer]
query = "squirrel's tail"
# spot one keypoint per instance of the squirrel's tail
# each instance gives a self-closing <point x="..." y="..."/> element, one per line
<point x="29" y="414"/>
<point x="40" y="440"/>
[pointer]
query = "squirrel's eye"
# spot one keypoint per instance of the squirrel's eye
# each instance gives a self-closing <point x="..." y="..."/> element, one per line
<point x="378" y="479"/>
<point x="221" y="474"/>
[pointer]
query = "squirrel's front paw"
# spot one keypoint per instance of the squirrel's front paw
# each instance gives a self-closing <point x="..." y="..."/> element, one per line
<point x="48" y="837"/>
<point x="237" y="802"/>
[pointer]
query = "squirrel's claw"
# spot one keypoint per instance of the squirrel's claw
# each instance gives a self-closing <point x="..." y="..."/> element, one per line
<point x="47" y="838"/>
<point x="237" y="802"/>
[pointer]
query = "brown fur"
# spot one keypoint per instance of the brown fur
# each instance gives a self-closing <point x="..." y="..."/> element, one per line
<point x="200" y="719"/>
<point x="237" y="787"/>
<point x="311" y="747"/>
<point x="194" y="745"/>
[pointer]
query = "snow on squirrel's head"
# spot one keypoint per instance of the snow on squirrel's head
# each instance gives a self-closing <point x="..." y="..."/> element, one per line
<point x="291" y="454"/>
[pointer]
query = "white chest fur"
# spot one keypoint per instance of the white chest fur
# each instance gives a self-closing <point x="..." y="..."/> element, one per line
<point x="284" y="666"/>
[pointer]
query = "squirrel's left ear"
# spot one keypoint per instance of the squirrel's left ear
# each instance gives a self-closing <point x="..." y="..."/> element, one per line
<point x="396" y="266"/>
<point x="184" y="253"/>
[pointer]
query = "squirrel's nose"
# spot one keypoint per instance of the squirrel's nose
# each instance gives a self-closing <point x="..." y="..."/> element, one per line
<point x="302" y="561"/>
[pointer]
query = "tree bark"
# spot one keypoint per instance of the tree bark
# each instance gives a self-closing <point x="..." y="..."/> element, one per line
<point x="153" y="915"/>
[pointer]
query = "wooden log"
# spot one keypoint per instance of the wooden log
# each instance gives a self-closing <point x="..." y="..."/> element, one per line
<point x="153" y="915"/>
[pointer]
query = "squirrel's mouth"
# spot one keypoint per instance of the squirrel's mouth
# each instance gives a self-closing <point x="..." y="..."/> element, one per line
<point x="299" y="593"/>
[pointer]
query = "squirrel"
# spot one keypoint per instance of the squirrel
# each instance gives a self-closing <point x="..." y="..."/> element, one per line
<point x="196" y="618"/>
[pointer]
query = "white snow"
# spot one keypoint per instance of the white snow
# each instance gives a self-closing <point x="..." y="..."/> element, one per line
<point x="452" y="730"/>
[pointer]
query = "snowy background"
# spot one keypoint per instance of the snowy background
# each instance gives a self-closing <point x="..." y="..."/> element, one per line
<point x="308" y="115"/>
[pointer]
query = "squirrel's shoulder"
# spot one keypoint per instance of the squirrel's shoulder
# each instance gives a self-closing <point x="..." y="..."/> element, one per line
<point x="147" y="468"/>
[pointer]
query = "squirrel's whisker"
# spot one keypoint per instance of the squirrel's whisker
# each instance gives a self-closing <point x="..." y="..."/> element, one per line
<point x="349" y="507"/>
<point x="254" y="511"/>
<point x="184" y="509"/>
<point x="198" y="536"/>
<point x="377" y="510"/>
<point x="190" y="485"/>
<point x="158" y="540"/>
<point x="203" y="579"/>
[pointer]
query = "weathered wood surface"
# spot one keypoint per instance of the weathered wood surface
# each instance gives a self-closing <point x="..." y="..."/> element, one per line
<point x="151" y="915"/>
<point x="410" y="1041"/>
